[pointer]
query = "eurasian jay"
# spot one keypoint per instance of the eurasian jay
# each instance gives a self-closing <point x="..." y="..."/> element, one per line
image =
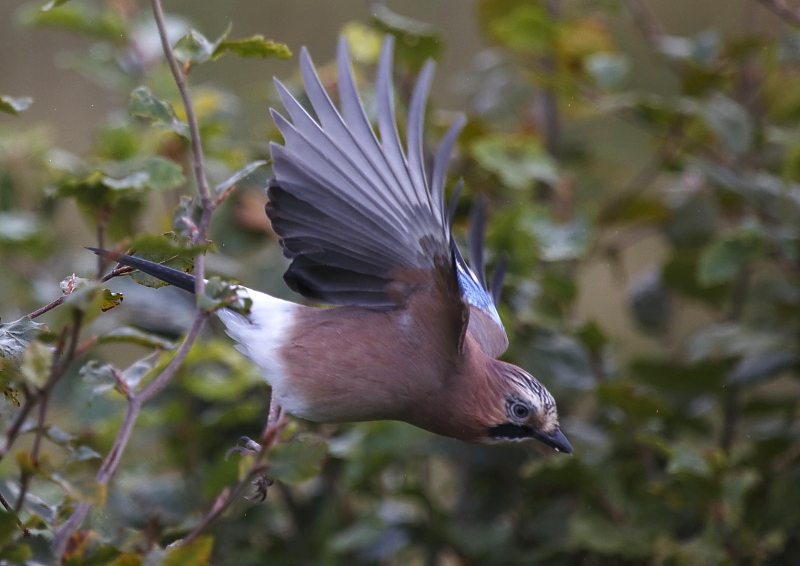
<point x="414" y="333"/>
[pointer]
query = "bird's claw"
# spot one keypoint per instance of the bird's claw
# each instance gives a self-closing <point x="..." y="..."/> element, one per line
<point x="262" y="484"/>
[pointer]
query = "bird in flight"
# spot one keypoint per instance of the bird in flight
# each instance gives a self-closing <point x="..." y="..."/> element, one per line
<point x="414" y="334"/>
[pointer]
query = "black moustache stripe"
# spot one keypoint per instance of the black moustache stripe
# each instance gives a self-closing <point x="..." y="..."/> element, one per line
<point x="510" y="432"/>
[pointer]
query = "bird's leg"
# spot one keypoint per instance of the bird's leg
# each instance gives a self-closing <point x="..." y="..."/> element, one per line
<point x="276" y="420"/>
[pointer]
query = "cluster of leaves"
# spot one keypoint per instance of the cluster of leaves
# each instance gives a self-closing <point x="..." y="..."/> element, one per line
<point x="676" y="377"/>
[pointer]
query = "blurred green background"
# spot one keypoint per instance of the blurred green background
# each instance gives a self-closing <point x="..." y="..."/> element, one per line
<point x="641" y="161"/>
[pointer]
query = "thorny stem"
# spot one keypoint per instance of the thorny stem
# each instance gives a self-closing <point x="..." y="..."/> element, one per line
<point x="198" y="166"/>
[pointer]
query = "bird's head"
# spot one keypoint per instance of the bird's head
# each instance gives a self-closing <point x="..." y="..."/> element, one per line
<point x="525" y="410"/>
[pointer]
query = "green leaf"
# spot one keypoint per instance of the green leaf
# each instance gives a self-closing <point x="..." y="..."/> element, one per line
<point x="701" y="49"/>
<point x="134" y="374"/>
<point x="11" y="105"/>
<point x="693" y="221"/>
<point x="559" y="241"/>
<point x="650" y="303"/>
<point x="216" y="373"/>
<point x="592" y="336"/>
<point x="18" y="227"/>
<point x="519" y="25"/>
<point x="88" y="296"/>
<point x="81" y="18"/>
<point x="607" y="69"/>
<point x="155" y="173"/>
<point x="679" y="274"/>
<point x="294" y="462"/>
<point x="84" y="454"/>
<point x="557" y="358"/>
<point x="101" y="376"/>
<point x="16" y="336"/>
<point x="163" y="174"/>
<point x="731" y="340"/>
<point x="253" y="46"/>
<point x="160" y="112"/>
<point x="730" y="123"/>
<point x="8" y="525"/>
<point x="722" y="261"/>
<point x="238" y="176"/>
<point x="735" y="488"/>
<point x="682" y="379"/>
<point x="193" y="48"/>
<point x="687" y="460"/>
<point x="133" y="335"/>
<point x="168" y="249"/>
<point x="593" y="533"/>
<point x="636" y="403"/>
<point x="761" y="366"/>
<point x="194" y="553"/>
<point x="53" y="4"/>
<point x="223" y="294"/>
<point x="518" y="162"/>
<point x="15" y="553"/>
<point x="415" y="41"/>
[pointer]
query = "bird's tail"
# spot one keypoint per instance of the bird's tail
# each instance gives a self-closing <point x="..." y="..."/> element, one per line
<point x="166" y="274"/>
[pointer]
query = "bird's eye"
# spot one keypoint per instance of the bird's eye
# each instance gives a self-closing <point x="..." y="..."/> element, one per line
<point x="520" y="410"/>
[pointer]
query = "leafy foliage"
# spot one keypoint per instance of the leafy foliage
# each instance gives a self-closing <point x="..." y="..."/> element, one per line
<point x="653" y="237"/>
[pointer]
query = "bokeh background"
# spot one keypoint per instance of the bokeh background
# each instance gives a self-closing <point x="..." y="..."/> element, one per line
<point x="641" y="164"/>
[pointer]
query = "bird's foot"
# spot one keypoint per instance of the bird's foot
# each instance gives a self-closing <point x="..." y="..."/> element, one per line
<point x="262" y="484"/>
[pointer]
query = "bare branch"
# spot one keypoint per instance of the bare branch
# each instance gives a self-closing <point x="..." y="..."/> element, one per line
<point x="112" y="459"/>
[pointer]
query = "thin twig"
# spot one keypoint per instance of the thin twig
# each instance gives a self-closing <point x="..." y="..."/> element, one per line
<point x="112" y="459"/>
<point x="782" y="9"/>
<point x="12" y="432"/>
<point x="42" y="397"/>
<point x="135" y="402"/>
<point x="50" y="306"/>
<point x="62" y="357"/>
<point x="198" y="166"/>
<point x="650" y="28"/>
<point x="10" y="509"/>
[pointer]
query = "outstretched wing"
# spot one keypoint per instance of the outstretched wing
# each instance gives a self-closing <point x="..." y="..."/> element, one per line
<point x="355" y="211"/>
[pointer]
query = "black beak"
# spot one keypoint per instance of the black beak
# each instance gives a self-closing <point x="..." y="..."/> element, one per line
<point x="555" y="440"/>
